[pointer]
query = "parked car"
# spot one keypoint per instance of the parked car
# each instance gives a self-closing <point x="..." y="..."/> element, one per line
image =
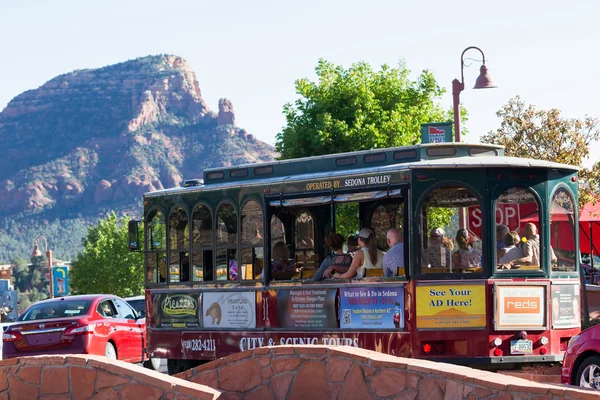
<point x="88" y="324"/>
<point x="139" y="304"/>
<point x="581" y="364"/>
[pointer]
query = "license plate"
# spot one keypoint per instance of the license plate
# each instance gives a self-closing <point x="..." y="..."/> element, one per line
<point x="521" y="347"/>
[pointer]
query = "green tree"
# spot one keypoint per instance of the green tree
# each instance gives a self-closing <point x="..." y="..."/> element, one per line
<point x="545" y="135"/>
<point x="105" y="265"/>
<point x="358" y="109"/>
<point x="36" y="277"/>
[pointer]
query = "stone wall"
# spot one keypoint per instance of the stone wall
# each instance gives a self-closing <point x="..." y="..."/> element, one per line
<point x="319" y="372"/>
<point x="91" y="377"/>
<point x="269" y="373"/>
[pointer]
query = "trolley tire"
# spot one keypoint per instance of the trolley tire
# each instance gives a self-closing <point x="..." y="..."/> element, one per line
<point x="153" y="363"/>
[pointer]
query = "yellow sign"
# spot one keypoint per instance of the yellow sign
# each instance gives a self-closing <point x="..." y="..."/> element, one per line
<point x="451" y="306"/>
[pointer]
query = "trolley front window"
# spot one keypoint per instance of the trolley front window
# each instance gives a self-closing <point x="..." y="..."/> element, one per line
<point x="518" y="239"/>
<point x="156" y="243"/>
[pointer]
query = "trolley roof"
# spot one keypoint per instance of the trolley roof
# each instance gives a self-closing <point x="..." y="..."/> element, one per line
<point x="435" y="156"/>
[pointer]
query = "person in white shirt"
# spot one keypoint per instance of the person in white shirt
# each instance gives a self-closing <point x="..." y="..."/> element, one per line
<point x="366" y="258"/>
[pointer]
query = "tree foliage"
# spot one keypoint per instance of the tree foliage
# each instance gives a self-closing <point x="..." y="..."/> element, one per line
<point x="545" y="135"/>
<point x="358" y="109"/>
<point x="30" y="281"/>
<point x="105" y="265"/>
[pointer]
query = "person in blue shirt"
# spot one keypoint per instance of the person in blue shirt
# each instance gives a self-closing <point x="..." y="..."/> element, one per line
<point x="394" y="258"/>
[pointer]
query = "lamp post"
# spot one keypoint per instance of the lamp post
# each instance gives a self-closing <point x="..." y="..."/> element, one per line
<point x="484" y="81"/>
<point x="38" y="253"/>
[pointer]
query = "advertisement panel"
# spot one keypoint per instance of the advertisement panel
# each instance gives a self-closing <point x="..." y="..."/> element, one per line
<point x="451" y="306"/>
<point x="177" y="310"/>
<point x="566" y="312"/>
<point x="307" y="308"/>
<point x="213" y="344"/>
<point x="372" y="308"/>
<point x="520" y="307"/>
<point x="229" y="309"/>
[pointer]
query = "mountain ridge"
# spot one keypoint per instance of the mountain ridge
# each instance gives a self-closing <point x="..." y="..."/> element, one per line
<point x="94" y="140"/>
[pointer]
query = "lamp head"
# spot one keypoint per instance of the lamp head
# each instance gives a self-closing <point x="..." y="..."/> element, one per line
<point x="484" y="80"/>
<point x="36" y="251"/>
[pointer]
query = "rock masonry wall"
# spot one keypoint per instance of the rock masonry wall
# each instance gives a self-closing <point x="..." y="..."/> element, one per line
<point x="281" y="372"/>
<point x="91" y="377"/>
<point x="345" y="373"/>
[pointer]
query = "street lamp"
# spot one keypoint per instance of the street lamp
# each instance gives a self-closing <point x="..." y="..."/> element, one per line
<point x="484" y="81"/>
<point x="38" y="253"/>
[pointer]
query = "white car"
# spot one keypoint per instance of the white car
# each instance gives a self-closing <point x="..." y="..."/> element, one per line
<point x="139" y="304"/>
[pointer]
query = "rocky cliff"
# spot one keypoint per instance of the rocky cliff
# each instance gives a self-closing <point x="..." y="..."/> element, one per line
<point x="97" y="139"/>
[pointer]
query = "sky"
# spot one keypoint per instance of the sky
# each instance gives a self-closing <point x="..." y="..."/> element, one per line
<point x="251" y="52"/>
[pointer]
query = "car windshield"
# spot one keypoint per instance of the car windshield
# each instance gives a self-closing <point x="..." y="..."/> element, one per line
<point x="56" y="309"/>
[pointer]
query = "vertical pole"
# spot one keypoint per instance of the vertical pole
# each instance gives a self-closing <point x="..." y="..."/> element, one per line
<point x="49" y="255"/>
<point x="591" y="248"/>
<point x="586" y="307"/>
<point x="457" y="87"/>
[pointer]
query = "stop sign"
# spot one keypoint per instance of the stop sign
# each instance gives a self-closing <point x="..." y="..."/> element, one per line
<point x="506" y="214"/>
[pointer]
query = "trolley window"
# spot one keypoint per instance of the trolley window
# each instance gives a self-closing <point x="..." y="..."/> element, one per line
<point x="156" y="243"/>
<point x="517" y="231"/>
<point x="562" y="231"/>
<point x="445" y="246"/>
<point x="252" y="261"/>
<point x="179" y="246"/>
<point x="227" y="263"/>
<point x="202" y="240"/>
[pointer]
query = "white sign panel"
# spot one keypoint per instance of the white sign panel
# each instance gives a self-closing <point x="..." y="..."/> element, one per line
<point x="229" y="309"/>
<point x="520" y="307"/>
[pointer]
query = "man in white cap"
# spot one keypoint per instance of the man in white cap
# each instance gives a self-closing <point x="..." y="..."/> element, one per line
<point x="437" y="255"/>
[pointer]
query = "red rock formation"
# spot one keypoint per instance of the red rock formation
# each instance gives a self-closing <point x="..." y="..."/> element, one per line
<point x="226" y="113"/>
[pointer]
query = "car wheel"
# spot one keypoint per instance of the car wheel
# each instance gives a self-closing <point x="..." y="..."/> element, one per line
<point x="110" y="351"/>
<point x="153" y="363"/>
<point x="588" y="374"/>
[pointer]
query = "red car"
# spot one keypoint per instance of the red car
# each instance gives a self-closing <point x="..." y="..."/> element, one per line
<point x="581" y="364"/>
<point x="88" y="324"/>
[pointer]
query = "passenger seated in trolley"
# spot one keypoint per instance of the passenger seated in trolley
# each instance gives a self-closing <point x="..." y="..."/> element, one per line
<point x="466" y="256"/>
<point x="337" y="261"/>
<point x="368" y="257"/>
<point x="281" y="265"/>
<point x="501" y="231"/>
<point x="437" y="254"/>
<point x="530" y="248"/>
<point x="393" y="260"/>
<point x="511" y="251"/>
